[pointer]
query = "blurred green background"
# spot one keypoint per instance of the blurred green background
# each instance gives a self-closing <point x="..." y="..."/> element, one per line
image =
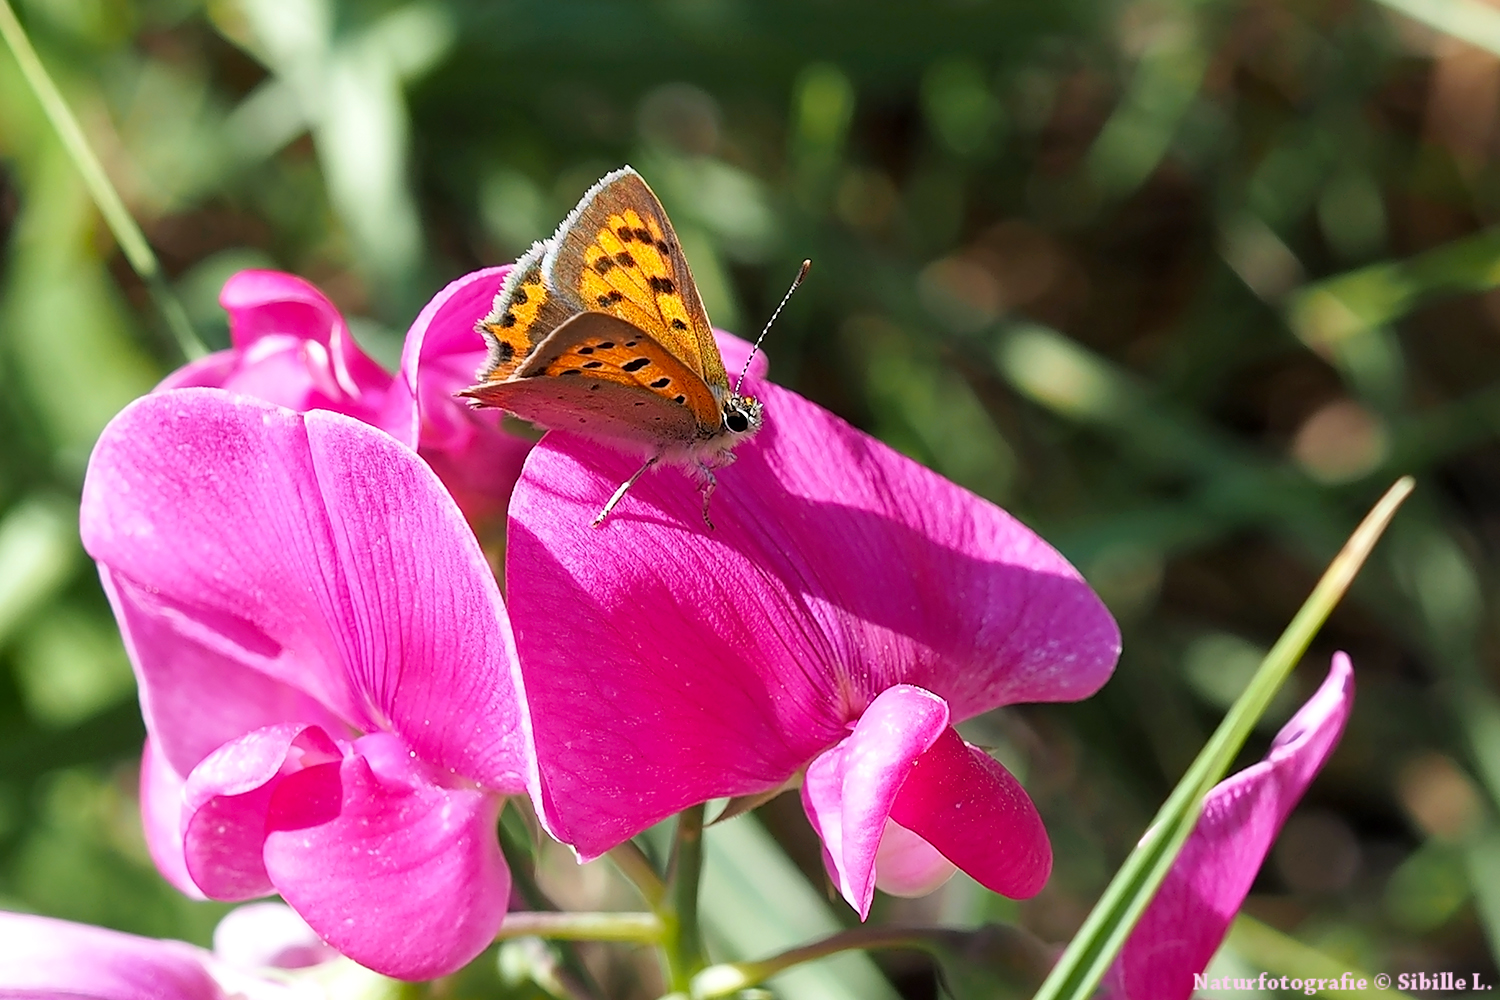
<point x="1183" y="285"/>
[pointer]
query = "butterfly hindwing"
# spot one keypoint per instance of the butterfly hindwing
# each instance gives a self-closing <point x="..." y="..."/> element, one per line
<point x="524" y="314"/>
<point x="598" y="348"/>
<point x="619" y="255"/>
<point x="600" y="376"/>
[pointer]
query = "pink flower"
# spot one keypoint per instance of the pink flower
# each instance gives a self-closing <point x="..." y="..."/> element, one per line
<point x="45" y="958"/>
<point x="849" y="609"/>
<point x="292" y="347"/>
<point x="326" y="672"/>
<point x="1185" y="923"/>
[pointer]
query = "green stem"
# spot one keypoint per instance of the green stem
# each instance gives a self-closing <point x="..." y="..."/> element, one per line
<point x="1103" y="933"/>
<point x="683" y="944"/>
<point x="634" y="928"/>
<point x="632" y="862"/>
<point x="728" y="977"/>
<point x="127" y="233"/>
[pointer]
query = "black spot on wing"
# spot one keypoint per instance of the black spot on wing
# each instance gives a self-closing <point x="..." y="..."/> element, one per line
<point x="636" y="365"/>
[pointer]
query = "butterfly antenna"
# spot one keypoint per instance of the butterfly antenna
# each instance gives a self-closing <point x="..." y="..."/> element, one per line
<point x="806" y="266"/>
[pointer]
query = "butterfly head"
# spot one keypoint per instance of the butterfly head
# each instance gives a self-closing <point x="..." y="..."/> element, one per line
<point x="742" y="416"/>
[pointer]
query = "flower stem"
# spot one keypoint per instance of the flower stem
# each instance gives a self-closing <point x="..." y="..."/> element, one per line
<point x="683" y="943"/>
<point x="632" y="862"/>
<point x="634" y="928"/>
<point x="729" y="977"/>
<point x="127" y="233"/>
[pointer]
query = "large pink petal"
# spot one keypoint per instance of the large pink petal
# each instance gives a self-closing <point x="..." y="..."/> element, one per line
<point x="967" y="805"/>
<point x="428" y="642"/>
<point x="45" y="958"/>
<point x="849" y="790"/>
<point x="1185" y="923"/>
<point x="477" y="460"/>
<point x="204" y="678"/>
<point x="320" y="552"/>
<point x="671" y="664"/>
<point x="400" y="873"/>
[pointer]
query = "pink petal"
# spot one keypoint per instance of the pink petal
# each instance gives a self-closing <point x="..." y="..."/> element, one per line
<point x="976" y="814"/>
<point x="45" y="958"/>
<point x="204" y="678"/>
<point x="850" y="789"/>
<point x="907" y="865"/>
<point x="669" y="664"/>
<point x="1185" y="923"/>
<point x="295" y="348"/>
<point x="477" y="460"/>
<point x="161" y="816"/>
<point x="428" y="642"/>
<point x="226" y="799"/>
<point x="315" y="551"/>
<point x="402" y="875"/>
<point x="262" y="935"/>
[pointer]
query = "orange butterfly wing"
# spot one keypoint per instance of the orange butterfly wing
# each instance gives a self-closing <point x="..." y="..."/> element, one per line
<point x="597" y="374"/>
<point x="617" y="252"/>
<point x="524" y="314"/>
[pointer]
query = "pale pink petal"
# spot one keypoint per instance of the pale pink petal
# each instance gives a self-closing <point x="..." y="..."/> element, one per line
<point x="161" y="817"/>
<point x="667" y="663"/>
<point x="44" y="958"/>
<point x="1185" y="923"/>
<point x="261" y="935"/>
<point x="907" y="865"/>
<point x="402" y="875"/>
<point x="849" y="790"/>
<point x="976" y="814"/>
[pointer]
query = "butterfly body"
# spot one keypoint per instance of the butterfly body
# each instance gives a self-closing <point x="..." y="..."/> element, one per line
<point x="600" y="331"/>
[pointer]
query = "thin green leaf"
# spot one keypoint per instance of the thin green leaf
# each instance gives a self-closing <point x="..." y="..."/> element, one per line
<point x="127" y="233"/>
<point x="1088" y="956"/>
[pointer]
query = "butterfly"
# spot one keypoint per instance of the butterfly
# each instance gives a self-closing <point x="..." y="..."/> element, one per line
<point x="599" y="331"/>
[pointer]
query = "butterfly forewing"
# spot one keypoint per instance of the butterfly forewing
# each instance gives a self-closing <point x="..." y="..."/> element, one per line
<point x="524" y="314"/>
<point x="619" y="255"/>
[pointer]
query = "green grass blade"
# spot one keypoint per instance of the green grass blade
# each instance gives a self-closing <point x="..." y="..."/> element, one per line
<point x="1094" y="947"/>
<point x="127" y="233"/>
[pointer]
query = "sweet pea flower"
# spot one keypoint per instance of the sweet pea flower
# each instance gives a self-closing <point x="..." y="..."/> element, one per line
<point x="45" y="958"/>
<point x="326" y="671"/>
<point x="849" y="609"/>
<point x="1184" y="925"/>
<point x="291" y="346"/>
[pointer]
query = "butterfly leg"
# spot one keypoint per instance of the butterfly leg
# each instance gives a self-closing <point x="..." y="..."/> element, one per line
<point x="710" y="483"/>
<point x="624" y="487"/>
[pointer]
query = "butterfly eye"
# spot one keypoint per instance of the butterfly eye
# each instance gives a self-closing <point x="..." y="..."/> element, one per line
<point x="736" y="421"/>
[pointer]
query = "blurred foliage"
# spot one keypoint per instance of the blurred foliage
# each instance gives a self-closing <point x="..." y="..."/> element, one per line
<point x="1184" y="286"/>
